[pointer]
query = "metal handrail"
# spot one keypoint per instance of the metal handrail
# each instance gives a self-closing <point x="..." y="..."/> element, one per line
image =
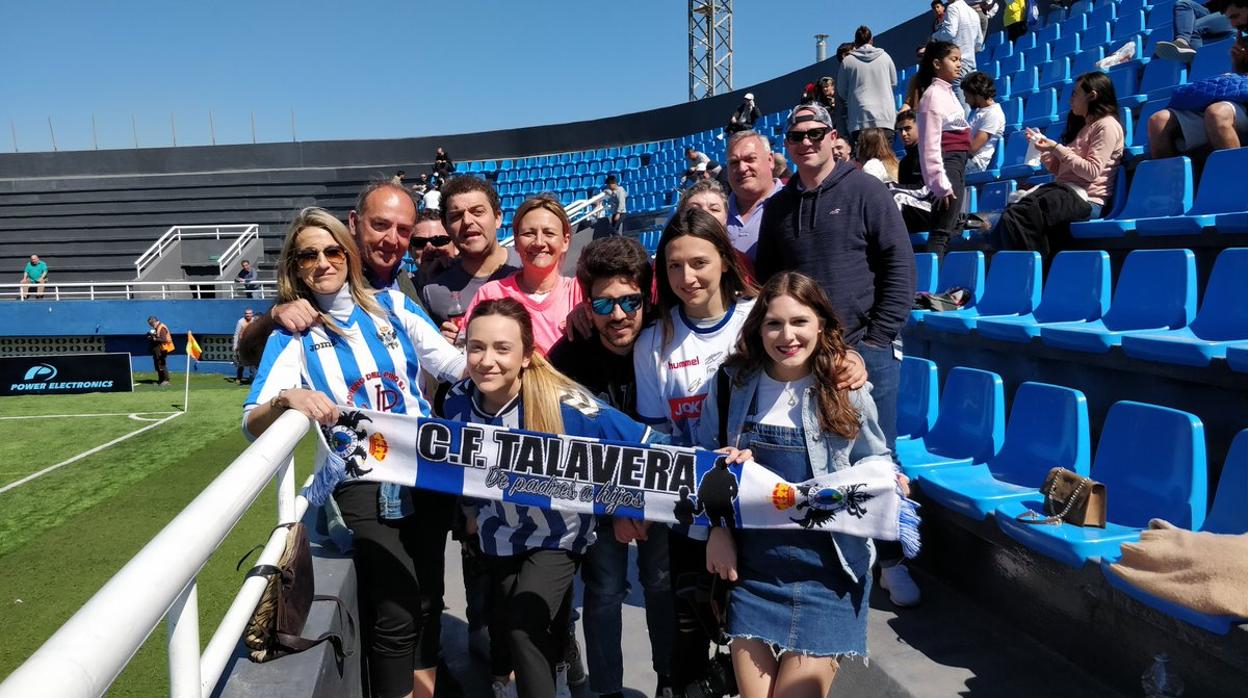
<point x="89" y="651"/>
<point x="175" y="234"/>
<point x="127" y="290"/>
<point x="586" y="208"/>
<point x="236" y="248"/>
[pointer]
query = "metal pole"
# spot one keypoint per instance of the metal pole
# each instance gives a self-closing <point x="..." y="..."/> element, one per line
<point x="13" y="129"/>
<point x="134" y="128"/>
<point x="173" y="129"/>
<point x="183" y="627"/>
<point x="186" y="392"/>
<point x="212" y="128"/>
<point x="821" y="47"/>
<point x="53" y="132"/>
<point x="292" y="125"/>
<point x="253" y="126"/>
<point x="95" y="136"/>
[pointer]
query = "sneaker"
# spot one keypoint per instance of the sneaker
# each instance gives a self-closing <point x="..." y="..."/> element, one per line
<point x="504" y="690"/>
<point x="1177" y="50"/>
<point x="902" y="590"/>
<point x="561" y="681"/>
<point x="572" y="658"/>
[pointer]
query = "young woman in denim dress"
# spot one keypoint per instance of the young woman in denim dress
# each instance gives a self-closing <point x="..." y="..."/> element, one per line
<point x="800" y="599"/>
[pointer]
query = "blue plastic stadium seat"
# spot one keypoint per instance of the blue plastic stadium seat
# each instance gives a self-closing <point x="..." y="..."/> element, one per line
<point x="1037" y="55"/>
<point x="1131" y="23"/>
<point x="1055" y="17"/>
<point x="917" y="397"/>
<point x="1077" y="289"/>
<point x="1219" y="198"/>
<point x="1152" y="462"/>
<point x="925" y="271"/>
<point x="1094" y="39"/>
<point x="993" y="40"/>
<point x="969" y="428"/>
<point x="1012" y="289"/>
<point x="1010" y="64"/>
<point x="1221" y="322"/>
<point x="1013" y="110"/>
<point x="1139" y="142"/>
<point x="1161" y="14"/>
<point x="1048" y="428"/>
<point x="1211" y="60"/>
<point x="1055" y="73"/>
<point x="1041" y="109"/>
<point x="995" y="195"/>
<point x="1103" y="13"/>
<point x="1127" y="84"/>
<point x="1014" y="165"/>
<point x="1156" y="290"/>
<point x="1002" y="51"/>
<point x="1068" y="44"/>
<point x="1020" y="84"/>
<point x="964" y="269"/>
<point x="1237" y="357"/>
<point x="1159" y="188"/>
<point x="993" y="171"/>
<point x="1228" y="516"/>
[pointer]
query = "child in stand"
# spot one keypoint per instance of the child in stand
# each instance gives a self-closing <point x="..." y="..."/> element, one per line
<point x="944" y="140"/>
<point x="987" y="120"/>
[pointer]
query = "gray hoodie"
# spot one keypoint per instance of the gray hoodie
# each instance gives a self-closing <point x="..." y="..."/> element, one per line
<point x="866" y="81"/>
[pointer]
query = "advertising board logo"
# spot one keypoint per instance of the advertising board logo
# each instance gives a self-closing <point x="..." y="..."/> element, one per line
<point x="41" y="373"/>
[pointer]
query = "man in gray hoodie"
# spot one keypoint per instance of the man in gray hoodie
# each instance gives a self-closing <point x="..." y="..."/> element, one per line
<point x="866" y="81"/>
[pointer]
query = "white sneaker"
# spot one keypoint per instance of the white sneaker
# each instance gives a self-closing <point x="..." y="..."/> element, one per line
<point x="1177" y="50"/>
<point x="504" y="690"/>
<point x="902" y="590"/>
<point x="561" y="682"/>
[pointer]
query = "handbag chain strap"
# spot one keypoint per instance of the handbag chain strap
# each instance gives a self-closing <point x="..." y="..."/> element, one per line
<point x="1070" y="501"/>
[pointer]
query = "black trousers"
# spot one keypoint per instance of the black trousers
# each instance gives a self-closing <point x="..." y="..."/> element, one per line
<point x="945" y="220"/>
<point x="160" y="359"/>
<point x="532" y="609"/>
<point x="1016" y="30"/>
<point x="1040" y="221"/>
<point x="399" y="565"/>
<point x="692" y="642"/>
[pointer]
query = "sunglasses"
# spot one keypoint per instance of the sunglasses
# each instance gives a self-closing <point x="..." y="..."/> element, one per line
<point x="334" y="255"/>
<point x="436" y="241"/>
<point x="814" y="135"/>
<point x="606" y="306"/>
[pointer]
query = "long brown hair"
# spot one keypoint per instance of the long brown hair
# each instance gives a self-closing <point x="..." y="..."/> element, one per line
<point x="697" y="223"/>
<point x="542" y="387"/>
<point x="290" y="286"/>
<point x="1105" y="104"/>
<point x="872" y="143"/>
<point x="836" y="414"/>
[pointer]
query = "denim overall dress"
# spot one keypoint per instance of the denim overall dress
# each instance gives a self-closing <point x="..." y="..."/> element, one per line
<point x="792" y="592"/>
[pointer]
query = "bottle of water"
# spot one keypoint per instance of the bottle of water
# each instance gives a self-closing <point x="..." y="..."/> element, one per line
<point x="1160" y="681"/>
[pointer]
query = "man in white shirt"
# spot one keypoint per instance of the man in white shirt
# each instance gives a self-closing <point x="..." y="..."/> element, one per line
<point x="961" y="26"/>
<point x="987" y="121"/>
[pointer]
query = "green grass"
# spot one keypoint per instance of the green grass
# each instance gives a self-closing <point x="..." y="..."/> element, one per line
<point x="62" y="536"/>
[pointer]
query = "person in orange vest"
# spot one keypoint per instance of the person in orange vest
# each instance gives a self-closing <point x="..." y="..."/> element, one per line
<point x="161" y="343"/>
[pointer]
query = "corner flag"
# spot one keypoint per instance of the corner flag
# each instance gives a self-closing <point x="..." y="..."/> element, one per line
<point x="192" y="347"/>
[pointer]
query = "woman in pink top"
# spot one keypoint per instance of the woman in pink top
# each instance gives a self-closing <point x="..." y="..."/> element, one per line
<point x="542" y="235"/>
<point x="1084" y="170"/>
<point x="944" y="140"/>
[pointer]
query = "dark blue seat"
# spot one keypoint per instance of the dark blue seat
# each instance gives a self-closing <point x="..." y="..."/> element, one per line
<point x="1022" y="84"/>
<point x="1156" y="290"/>
<point x="1041" y="109"/>
<point x="1014" y="165"/>
<point x="1152" y="462"/>
<point x="1102" y="13"/>
<point x="1211" y="60"/>
<point x="959" y="269"/>
<point x="918" y="396"/>
<point x="1237" y="357"/>
<point x="1131" y="23"/>
<point x="995" y="196"/>
<point x="1161" y="78"/>
<point x="970" y="424"/>
<point x="1220" y="194"/>
<point x="1159" y="188"/>
<point x="1229" y="516"/>
<point x="1055" y="73"/>
<point x="1012" y="289"/>
<point x="1048" y="428"/>
<point x="1221" y="322"/>
<point x="1139" y="140"/>
<point x="1036" y="55"/>
<point x="1012" y="108"/>
<point x="1077" y="289"/>
<point x="1068" y="43"/>
<point x="1126" y="80"/>
<point x="925" y="270"/>
<point x="994" y="168"/>
<point x="1095" y="38"/>
<point x="1010" y="64"/>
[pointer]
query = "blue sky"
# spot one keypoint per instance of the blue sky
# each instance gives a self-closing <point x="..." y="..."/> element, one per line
<point x="368" y="69"/>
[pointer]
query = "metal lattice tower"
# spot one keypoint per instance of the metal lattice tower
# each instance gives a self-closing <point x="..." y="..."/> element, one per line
<point x="710" y="48"/>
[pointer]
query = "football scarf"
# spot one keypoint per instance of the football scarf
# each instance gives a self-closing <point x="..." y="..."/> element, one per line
<point x="560" y="472"/>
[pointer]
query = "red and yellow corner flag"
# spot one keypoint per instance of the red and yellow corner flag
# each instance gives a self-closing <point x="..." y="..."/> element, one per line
<point x="192" y="347"/>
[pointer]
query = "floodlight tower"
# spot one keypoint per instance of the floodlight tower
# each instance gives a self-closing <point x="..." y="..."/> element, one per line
<point x="710" y="48"/>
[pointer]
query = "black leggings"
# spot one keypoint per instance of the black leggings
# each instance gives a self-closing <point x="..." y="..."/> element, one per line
<point x="399" y="565"/>
<point x="1041" y="220"/>
<point x="532" y="609"/>
<point x="692" y="641"/>
<point x="945" y="218"/>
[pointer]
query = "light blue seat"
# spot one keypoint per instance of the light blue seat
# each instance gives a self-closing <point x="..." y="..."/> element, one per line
<point x="1221" y="322"/>
<point x="1022" y="84"/>
<point x="1048" y="428"/>
<point x="969" y="428"/>
<point x="1015" y="166"/>
<point x="1210" y="60"/>
<point x="918" y="396"/>
<point x="1077" y="289"/>
<point x="1229" y="516"/>
<point x="1012" y="108"/>
<point x="1221" y="194"/>
<point x="958" y="269"/>
<point x="1152" y="462"/>
<point x="1159" y="188"/>
<point x="1010" y="64"/>
<point x="1041" y="109"/>
<point x="925" y="271"/>
<point x="1156" y="290"/>
<point x="1012" y="289"/>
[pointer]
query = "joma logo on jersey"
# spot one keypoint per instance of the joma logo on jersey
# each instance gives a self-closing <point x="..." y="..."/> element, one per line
<point x="686" y="407"/>
<point x="322" y="345"/>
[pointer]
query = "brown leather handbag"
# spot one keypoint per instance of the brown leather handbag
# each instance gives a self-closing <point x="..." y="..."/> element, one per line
<point x="1070" y="498"/>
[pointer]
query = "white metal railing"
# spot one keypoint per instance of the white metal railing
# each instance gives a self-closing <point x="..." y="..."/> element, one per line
<point x="85" y="656"/>
<point x="586" y="209"/>
<point x="235" y="249"/>
<point x="177" y="233"/>
<point x="127" y="290"/>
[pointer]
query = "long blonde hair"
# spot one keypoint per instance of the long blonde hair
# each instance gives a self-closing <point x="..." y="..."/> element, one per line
<point x="542" y="388"/>
<point x="290" y="287"/>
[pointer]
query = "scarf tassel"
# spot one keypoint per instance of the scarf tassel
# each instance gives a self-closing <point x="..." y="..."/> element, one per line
<point x="908" y="527"/>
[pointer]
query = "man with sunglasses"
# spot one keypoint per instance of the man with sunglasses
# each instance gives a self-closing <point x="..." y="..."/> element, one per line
<point x="839" y="226"/>
<point x="616" y="276"/>
<point x="431" y="248"/>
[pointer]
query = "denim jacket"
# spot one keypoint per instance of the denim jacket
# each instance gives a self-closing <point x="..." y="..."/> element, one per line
<point x="826" y="452"/>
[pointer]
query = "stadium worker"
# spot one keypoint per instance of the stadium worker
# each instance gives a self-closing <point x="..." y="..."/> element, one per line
<point x="239" y="327"/>
<point x="839" y="226"/>
<point x="367" y="351"/>
<point x="36" y="273"/>
<point x="615" y="276"/>
<point x="160" y="343"/>
<point x="750" y="168"/>
<point x="430" y="247"/>
<point x="472" y="214"/>
<point x="1220" y="123"/>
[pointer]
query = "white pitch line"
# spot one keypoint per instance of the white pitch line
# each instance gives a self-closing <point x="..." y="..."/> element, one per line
<point x="98" y="414"/>
<point x="135" y="416"/>
<point x="84" y="454"/>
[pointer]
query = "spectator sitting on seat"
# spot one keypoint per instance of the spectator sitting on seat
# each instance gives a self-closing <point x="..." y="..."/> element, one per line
<point x="36" y="272"/>
<point x="875" y="154"/>
<point x="1221" y="124"/>
<point x="706" y="195"/>
<point x="421" y="186"/>
<point x="911" y="196"/>
<point x="744" y="117"/>
<point x="698" y="162"/>
<point x="430" y="247"/>
<point x="987" y="120"/>
<point x="1197" y="24"/>
<point x="432" y="200"/>
<point x="1084" y="168"/>
<point x="240" y="365"/>
<point x="398" y="177"/>
<point x="614" y="204"/>
<point x="825" y="94"/>
<point x="442" y="164"/>
<point x="867" y="78"/>
<point x="247" y="277"/>
<point x="841" y="152"/>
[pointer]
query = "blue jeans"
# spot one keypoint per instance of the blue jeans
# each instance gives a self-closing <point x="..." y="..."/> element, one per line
<point x="605" y="572"/>
<point x="884" y="372"/>
<point x="1197" y="24"/>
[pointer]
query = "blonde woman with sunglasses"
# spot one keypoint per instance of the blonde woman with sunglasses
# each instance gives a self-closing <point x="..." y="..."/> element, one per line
<point x="362" y="355"/>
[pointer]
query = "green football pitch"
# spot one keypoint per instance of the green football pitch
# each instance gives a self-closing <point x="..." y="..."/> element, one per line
<point x="81" y="492"/>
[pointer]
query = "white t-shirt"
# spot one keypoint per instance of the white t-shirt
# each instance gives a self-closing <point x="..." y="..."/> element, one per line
<point x="673" y="378"/>
<point x="433" y="198"/>
<point x="992" y="120"/>
<point x="779" y="404"/>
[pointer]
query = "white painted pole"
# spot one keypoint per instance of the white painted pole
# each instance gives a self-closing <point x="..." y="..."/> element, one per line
<point x="183" y="644"/>
<point x="186" y="393"/>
